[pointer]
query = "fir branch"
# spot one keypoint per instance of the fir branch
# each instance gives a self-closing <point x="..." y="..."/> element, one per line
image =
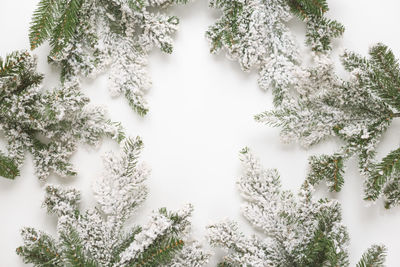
<point x="41" y="251"/>
<point x="132" y="149"/>
<point x="90" y="36"/>
<point x="383" y="170"/>
<point x="66" y="26"/>
<point x="124" y="244"/>
<point x="97" y="237"/>
<point x="385" y="75"/>
<point x="13" y="63"/>
<point x="299" y="231"/>
<point x="320" y="30"/>
<point x="306" y="8"/>
<point x="8" y="168"/>
<point x="256" y="35"/>
<point x="48" y="124"/>
<point x="43" y="22"/>
<point x="73" y="254"/>
<point x="373" y="257"/>
<point x="358" y="111"/>
<point x="161" y="252"/>
<point x="391" y="192"/>
<point x="327" y="167"/>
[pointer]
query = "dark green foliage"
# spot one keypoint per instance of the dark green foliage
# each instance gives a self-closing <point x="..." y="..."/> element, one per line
<point x="297" y="231"/>
<point x="160" y="252"/>
<point x="98" y="237"/>
<point x="306" y="8"/>
<point x="383" y="170"/>
<point x="46" y="123"/>
<point x="327" y="167"/>
<point x="134" y="102"/>
<point x="8" y="168"/>
<point x="43" y="22"/>
<point x="66" y="26"/>
<point x="373" y="257"/>
<point x="255" y="33"/>
<point x="87" y="36"/>
<point x="132" y="149"/>
<point x="55" y="20"/>
<point x="225" y="32"/>
<point x="320" y="30"/>
<point x="358" y="111"/>
<point x="125" y="243"/>
<point x="42" y="249"/>
<point x="320" y="252"/>
<point x="73" y="250"/>
<point x="381" y="74"/>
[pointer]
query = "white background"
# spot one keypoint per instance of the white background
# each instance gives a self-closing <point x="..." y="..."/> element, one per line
<point x="201" y="115"/>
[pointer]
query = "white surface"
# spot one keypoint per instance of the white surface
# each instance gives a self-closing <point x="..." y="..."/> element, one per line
<point x="202" y="109"/>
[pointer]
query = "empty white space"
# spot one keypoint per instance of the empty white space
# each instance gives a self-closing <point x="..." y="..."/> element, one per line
<point x="201" y="115"/>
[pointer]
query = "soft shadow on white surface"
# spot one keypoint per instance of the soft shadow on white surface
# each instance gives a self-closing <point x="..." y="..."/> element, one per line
<point x="201" y="115"/>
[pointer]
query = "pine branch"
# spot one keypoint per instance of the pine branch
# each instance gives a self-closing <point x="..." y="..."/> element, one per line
<point x="136" y="102"/>
<point x="43" y="22"/>
<point x="88" y="36"/>
<point x="382" y="172"/>
<point x="320" y="30"/>
<point x="73" y="254"/>
<point x="327" y="167"/>
<point x="97" y="237"/>
<point x="298" y="231"/>
<point x="48" y="124"/>
<point x="124" y="244"/>
<point x="8" y="168"/>
<point x="256" y="35"/>
<point x="66" y="26"/>
<point x="160" y="253"/>
<point x="358" y="111"/>
<point x="39" y="249"/>
<point x="14" y="63"/>
<point x="385" y="75"/>
<point x="306" y="8"/>
<point x="132" y="149"/>
<point x="373" y="257"/>
<point x="318" y="251"/>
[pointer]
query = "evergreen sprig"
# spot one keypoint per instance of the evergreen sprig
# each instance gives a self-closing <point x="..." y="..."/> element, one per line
<point x="97" y="237"/>
<point x="298" y="231"/>
<point x="320" y="30"/>
<point x="43" y="22"/>
<point x="90" y="36"/>
<point x="66" y="25"/>
<point x="48" y="124"/>
<point x="256" y="34"/>
<point x="373" y="257"/>
<point x="358" y="111"/>
<point x="8" y="168"/>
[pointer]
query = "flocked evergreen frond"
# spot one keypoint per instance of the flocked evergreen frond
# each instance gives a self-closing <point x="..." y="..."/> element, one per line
<point x="8" y="168"/>
<point x="90" y="36"/>
<point x="255" y="33"/>
<point x="48" y="124"/>
<point x="358" y="111"/>
<point x="298" y="231"/>
<point x="373" y="257"/>
<point x="98" y="237"/>
<point x="43" y="22"/>
<point x="320" y="29"/>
